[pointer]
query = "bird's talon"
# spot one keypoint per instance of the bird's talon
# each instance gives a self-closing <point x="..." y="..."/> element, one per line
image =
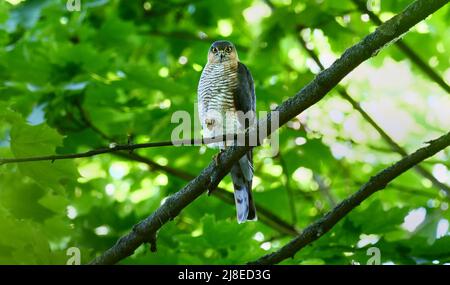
<point x="211" y="186"/>
<point x="217" y="157"/>
<point x="210" y="190"/>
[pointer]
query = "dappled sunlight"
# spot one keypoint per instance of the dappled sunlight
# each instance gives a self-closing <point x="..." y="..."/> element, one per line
<point x="14" y="2"/>
<point x="224" y="27"/>
<point x="255" y="13"/>
<point x="102" y="230"/>
<point x="441" y="173"/>
<point x="397" y="123"/>
<point x="91" y="170"/>
<point x="122" y="191"/>
<point x="142" y="195"/>
<point x="392" y="77"/>
<point x="118" y="170"/>
<point x="367" y="239"/>
<point x="442" y="228"/>
<point x="81" y="91"/>
<point x="414" y="219"/>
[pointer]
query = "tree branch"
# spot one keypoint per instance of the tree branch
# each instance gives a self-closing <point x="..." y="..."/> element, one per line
<point x="309" y="95"/>
<point x="118" y="147"/>
<point x="390" y="141"/>
<point x="264" y="215"/>
<point x="376" y="183"/>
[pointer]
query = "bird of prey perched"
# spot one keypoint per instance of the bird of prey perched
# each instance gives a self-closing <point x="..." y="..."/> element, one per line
<point x="226" y="105"/>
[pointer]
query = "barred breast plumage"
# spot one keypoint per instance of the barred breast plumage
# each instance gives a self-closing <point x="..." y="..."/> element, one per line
<point x="216" y="97"/>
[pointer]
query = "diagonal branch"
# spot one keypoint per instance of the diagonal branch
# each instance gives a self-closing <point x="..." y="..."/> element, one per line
<point x="265" y="216"/>
<point x="209" y="178"/>
<point x="390" y="141"/>
<point x="376" y="183"/>
<point x="406" y="49"/>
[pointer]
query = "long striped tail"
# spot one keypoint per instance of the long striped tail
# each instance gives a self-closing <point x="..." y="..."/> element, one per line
<point x="242" y="176"/>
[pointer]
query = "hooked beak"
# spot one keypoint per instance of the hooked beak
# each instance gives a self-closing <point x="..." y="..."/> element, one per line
<point x="221" y="56"/>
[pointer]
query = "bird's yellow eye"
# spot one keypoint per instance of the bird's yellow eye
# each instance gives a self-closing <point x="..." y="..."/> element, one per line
<point x="214" y="50"/>
<point x="228" y="49"/>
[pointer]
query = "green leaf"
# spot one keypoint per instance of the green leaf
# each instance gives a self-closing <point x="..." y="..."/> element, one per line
<point x="56" y="203"/>
<point x="40" y="140"/>
<point x="381" y="220"/>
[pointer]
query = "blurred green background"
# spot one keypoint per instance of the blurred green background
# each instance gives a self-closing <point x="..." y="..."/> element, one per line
<point x="74" y="81"/>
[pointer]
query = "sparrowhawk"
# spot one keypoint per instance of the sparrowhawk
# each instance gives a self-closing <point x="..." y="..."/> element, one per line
<point x="226" y="105"/>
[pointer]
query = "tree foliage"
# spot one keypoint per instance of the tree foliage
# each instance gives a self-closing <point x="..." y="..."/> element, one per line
<point x="116" y="71"/>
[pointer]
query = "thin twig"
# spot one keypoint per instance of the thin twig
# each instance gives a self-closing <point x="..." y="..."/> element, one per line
<point x="120" y="147"/>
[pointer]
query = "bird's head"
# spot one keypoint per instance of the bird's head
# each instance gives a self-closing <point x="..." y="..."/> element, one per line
<point x="221" y="52"/>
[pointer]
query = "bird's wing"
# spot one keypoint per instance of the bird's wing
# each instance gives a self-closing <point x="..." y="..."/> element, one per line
<point x="244" y="95"/>
<point x="242" y="171"/>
